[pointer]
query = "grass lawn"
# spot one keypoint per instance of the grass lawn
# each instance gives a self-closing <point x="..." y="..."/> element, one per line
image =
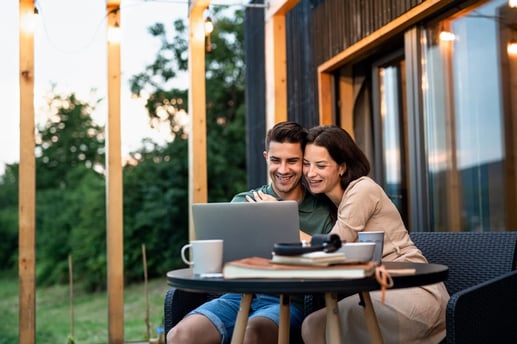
<point x="53" y="318"/>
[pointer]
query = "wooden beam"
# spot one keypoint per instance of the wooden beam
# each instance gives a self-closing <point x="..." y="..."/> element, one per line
<point x="386" y="32"/>
<point x="347" y="100"/>
<point x="279" y="7"/>
<point x="363" y="47"/>
<point x="325" y="82"/>
<point x="114" y="192"/>
<point x="26" y="181"/>
<point x="276" y="61"/>
<point x="197" y="108"/>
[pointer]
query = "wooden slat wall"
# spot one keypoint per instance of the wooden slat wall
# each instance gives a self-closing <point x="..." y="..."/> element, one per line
<point x="316" y="31"/>
<point x="347" y="22"/>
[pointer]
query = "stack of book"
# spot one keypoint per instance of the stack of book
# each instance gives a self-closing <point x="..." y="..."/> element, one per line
<point x="318" y="265"/>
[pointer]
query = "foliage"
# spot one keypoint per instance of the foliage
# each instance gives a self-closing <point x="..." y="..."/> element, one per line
<point x="70" y="191"/>
<point x="155" y="208"/>
<point x="70" y="159"/>
<point x="9" y="217"/>
<point x="225" y="87"/>
<point x="68" y="138"/>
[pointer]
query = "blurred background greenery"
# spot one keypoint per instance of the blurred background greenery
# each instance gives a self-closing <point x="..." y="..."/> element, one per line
<point x="70" y="190"/>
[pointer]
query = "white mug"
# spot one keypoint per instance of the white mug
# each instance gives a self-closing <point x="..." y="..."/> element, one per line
<point x="378" y="239"/>
<point x="207" y="256"/>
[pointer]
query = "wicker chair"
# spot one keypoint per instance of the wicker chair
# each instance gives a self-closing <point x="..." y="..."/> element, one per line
<point x="482" y="283"/>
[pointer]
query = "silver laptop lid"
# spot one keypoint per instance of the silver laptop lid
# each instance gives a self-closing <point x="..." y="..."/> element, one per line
<point x="248" y="229"/>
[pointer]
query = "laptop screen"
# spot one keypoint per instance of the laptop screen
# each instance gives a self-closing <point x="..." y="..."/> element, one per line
<point x="248" y="229"/>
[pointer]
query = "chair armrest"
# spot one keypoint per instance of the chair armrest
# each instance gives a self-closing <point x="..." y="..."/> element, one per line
<point x="178" y="303"/>
<point x="484" y="313"/>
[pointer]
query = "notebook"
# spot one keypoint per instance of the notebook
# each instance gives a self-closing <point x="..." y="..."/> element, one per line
<point x="248" y="229"/>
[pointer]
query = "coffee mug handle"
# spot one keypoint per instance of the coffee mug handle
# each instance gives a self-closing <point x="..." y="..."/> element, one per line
<point x="183" y="257"/>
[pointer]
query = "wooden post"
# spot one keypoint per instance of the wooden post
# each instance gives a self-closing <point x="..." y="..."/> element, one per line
<point x="71" y="286"/>
<point x="27" y="182"/>
<point x="197" y="108"/>
<point x="114" y="195"/>
<point x="276" y="60"/>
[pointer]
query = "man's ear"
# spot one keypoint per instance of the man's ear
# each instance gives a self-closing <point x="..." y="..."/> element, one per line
<point x="265" y="155"/>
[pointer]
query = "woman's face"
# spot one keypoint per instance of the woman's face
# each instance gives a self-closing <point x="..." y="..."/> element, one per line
<point x="321" y="171"/>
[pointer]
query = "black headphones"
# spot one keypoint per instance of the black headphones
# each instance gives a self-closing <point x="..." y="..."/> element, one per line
<point x="319" y="242"/>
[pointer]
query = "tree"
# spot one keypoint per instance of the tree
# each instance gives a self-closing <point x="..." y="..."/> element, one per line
<point x="225" y="89"/>
<point x="155" y="200"/>
<point x="70" y="190"/>
<point x="156" y="186"/>
<point x="9" y="217"/>
<point x="68" y="138"/>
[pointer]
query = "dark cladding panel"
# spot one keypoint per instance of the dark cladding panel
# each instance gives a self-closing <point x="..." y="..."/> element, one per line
<point x="255" y="96"/>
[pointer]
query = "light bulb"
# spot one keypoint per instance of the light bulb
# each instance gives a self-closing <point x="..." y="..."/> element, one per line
<point x="209" y="26"/>
<point x="511" y="48"/>
<point x="447" y="36"/>
<point x="114" y="34"/>
<point x="29" y="21"/>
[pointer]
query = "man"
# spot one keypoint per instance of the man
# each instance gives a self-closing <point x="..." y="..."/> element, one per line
<point x="213" y="322"/>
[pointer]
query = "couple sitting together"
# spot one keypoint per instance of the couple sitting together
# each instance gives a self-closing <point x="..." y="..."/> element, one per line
<point x="335" y="196"/>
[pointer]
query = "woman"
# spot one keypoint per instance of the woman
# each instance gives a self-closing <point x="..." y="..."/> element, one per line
<point x="335" y="166"/>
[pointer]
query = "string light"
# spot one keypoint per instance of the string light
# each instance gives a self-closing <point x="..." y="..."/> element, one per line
<point x="209" y="26"/>
<point x="447" y="36"/>
<point x="114" y="33"/>
<point x="511" y="48"/>
<point x="29" y="21"/>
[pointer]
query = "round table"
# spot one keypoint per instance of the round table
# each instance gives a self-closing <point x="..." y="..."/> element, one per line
<point x="404" y="275"/>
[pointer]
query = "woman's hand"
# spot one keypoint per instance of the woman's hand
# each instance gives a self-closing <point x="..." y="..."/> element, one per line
<point x="260" y="197"/>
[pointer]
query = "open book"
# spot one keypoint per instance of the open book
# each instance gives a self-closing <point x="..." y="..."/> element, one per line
<point x="256" y="267"/>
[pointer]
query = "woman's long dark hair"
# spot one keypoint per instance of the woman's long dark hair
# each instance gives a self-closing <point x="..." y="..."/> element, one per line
<point x="343" y="149"/>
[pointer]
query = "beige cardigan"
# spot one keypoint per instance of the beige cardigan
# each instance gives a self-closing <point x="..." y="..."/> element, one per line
<point x="412" y="315"/>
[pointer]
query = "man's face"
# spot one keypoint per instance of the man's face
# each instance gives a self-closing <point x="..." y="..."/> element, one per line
<point x="285" y="167"/>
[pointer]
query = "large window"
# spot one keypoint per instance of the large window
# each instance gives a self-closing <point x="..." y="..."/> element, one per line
<point x="467" y="79"/>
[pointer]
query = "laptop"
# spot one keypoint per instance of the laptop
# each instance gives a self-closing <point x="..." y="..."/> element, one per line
<point x="248" y="229"/>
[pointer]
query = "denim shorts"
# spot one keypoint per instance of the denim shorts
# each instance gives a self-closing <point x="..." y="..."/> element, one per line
<point x="222" y="312"/>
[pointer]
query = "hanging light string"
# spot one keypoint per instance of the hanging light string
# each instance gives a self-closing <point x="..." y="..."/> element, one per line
<point x="40" y="8"/>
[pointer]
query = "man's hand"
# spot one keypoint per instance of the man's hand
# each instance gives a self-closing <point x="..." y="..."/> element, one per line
<point x="304" y="237"/>
<point x="260" y="197"/>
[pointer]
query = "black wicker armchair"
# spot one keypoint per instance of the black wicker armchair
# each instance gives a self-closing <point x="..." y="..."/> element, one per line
<point x="482" y="282"/>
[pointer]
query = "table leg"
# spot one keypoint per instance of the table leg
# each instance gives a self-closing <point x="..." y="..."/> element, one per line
<point x="333" y="323"/>
<point x="242" y="319"/>
<point x="371" y="319"/>
<point x="283" y="327"/>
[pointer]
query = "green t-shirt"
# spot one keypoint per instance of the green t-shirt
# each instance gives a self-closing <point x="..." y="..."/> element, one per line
<point x="314" y="219"/>
<point x="314" y="214"/>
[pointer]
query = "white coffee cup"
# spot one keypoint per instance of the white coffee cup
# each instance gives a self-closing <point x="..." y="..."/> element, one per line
<point x="207" y="256"/>
<point x="376" y="237"/>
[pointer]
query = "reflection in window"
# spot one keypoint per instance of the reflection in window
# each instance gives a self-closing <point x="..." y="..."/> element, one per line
<point x="464" y="110"/>
<point x="390" y="80"/>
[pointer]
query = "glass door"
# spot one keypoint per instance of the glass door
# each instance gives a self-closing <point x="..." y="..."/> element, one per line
<point x="390" y="121"/>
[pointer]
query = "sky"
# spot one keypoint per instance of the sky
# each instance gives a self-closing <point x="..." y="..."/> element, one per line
<point x="70" y="53"/>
